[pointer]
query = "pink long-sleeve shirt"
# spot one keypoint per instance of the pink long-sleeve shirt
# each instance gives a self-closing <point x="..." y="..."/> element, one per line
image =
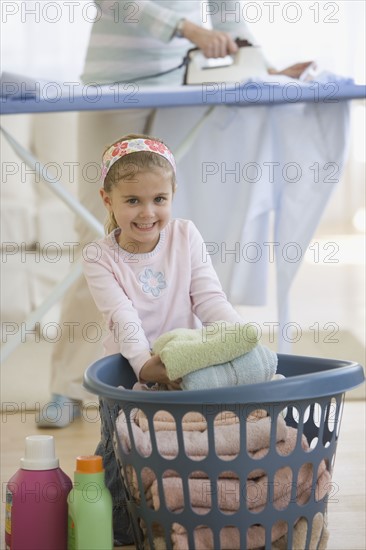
<point x="142" y="296"/>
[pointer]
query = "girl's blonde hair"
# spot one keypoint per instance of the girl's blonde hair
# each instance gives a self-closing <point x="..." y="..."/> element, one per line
<point x="128" y="166"/>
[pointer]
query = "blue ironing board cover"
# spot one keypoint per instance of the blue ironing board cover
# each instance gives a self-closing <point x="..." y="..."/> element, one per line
<point x="58" y="97"/>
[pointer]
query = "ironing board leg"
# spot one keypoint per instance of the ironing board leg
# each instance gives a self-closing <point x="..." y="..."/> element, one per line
<point x="62" y="287"/>
<point x="54" y="186"/>
<point x="58" y="291"/>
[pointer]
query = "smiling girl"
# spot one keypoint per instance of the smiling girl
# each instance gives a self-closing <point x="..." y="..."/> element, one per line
<point x="152" y="273"/>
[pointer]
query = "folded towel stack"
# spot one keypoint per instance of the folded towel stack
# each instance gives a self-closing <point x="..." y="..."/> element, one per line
<point x="218" y="355"/>
<point x="187" y="350"/>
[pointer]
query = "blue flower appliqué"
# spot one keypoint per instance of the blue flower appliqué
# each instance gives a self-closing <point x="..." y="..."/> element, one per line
<point x="152" y="282"/>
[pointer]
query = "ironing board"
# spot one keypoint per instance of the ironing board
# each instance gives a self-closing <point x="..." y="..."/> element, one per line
<point x="50" y="97"/>
<point x="53" y="97"/>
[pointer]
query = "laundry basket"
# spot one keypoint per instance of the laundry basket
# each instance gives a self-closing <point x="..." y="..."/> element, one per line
<point x="239" y="467"/>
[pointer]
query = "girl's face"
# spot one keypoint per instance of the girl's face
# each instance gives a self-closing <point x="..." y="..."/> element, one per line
<point x="141" y="207"/>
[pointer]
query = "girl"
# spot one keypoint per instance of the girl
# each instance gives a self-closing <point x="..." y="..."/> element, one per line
<point x="150" y="274"/>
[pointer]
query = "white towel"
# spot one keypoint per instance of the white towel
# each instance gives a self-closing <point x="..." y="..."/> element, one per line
<point x="258" y="365"/>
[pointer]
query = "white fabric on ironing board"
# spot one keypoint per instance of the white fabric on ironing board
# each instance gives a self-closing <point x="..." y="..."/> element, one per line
<point x="229" y="213"/>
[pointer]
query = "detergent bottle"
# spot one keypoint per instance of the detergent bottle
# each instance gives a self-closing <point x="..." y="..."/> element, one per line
<point x="90" y="524"/>
<point x="36" y="499"/>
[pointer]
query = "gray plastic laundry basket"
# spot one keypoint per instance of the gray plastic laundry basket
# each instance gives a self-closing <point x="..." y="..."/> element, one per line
<point x="244" y="503"/>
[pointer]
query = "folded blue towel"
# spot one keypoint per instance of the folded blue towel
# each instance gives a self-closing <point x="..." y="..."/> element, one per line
<point x="258" y="365"/>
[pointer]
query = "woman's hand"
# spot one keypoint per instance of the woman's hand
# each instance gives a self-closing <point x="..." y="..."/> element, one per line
<point x="212" y="43"/>
<point x="294" y="71"/>
<point x="154" y="371"/>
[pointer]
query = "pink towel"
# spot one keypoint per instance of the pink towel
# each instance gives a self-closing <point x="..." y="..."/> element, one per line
<point x="227" y="439"/>
<point x="230" y="490"/>
<point x="192" y="421"/>
<point x="229" y="538"/>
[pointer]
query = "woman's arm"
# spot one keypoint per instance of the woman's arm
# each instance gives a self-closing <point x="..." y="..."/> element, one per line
<point x="213" y="43"/>
<point x="161" y="23"/>
<point x="146" y="16"/>
<point x="229" y="17"/>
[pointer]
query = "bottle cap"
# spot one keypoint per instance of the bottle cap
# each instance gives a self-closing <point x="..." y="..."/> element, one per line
<point x="39" y="453"/>
<point x="92" y="464"/>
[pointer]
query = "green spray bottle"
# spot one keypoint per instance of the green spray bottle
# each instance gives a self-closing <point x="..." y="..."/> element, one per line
<point x="90" y="525"/>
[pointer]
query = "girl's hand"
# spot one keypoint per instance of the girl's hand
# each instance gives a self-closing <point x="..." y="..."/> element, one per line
<point x="154" y="371"/>
<point x="212" y="43"/>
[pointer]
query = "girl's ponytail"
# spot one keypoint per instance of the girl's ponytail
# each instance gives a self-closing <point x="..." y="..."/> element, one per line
<point x="110" y="224"/>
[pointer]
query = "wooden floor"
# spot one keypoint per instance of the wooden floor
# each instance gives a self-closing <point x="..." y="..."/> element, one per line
<point x="346" y="520"/>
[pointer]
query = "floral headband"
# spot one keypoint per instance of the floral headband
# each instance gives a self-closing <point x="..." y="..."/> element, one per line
<point x="125" y="147"/>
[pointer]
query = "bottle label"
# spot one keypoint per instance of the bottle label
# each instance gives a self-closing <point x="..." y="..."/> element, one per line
<point x="71" y="545"/>
<point x="8" y="507"/>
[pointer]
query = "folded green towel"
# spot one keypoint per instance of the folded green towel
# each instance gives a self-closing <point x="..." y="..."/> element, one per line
<point x="187" y="350"/>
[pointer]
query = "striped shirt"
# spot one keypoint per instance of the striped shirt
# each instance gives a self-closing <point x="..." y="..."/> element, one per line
<point x="136" y="39"/>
